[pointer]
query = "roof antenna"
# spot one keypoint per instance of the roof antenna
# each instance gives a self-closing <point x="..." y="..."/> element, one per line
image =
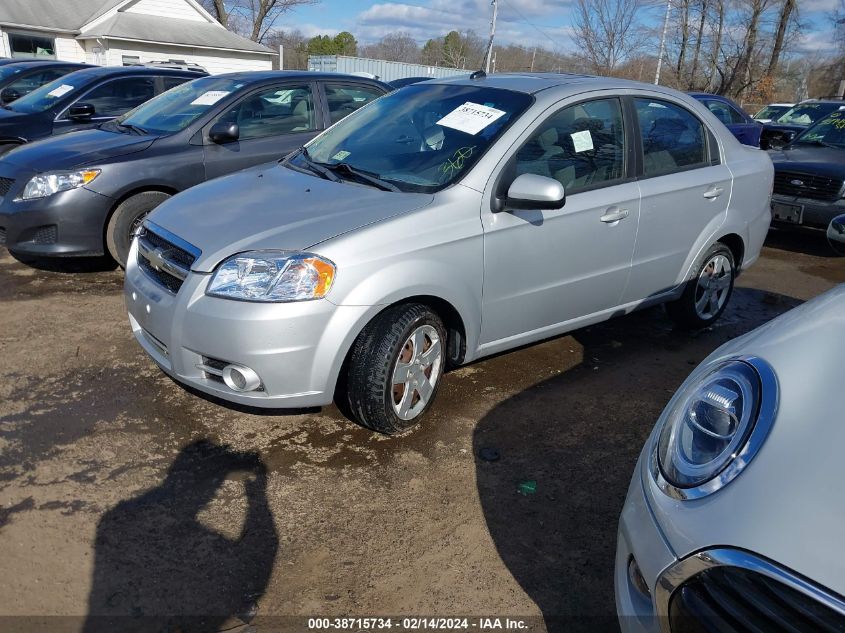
<point x="478" y="74"/>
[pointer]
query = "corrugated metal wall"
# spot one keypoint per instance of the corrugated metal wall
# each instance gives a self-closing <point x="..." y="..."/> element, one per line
<point x="384" y="70"/>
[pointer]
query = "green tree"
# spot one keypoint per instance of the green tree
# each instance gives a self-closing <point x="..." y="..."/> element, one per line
<point x="345" y="44"/>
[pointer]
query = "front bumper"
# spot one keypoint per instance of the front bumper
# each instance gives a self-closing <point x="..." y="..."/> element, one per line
<point x="67" y="223"/>
<point x="296" y="349"/>
<point x="816" y="213"/>
<point x="640" y="539"/>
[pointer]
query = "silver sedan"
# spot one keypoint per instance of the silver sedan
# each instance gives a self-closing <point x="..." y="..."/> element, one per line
<point x="731" y="522"/>
<point x="447" y="221"/>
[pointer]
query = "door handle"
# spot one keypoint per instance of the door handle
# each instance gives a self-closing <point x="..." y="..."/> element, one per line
<point x="614" y="215"/>
<point x="713" y="193"/>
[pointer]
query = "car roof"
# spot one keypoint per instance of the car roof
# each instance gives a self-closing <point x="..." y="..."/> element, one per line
<point x="263" y="75"/>
<point x="531" y="83"/>
<point x="779" y="105"/>
<point x="117" y="71"/>
<point x="25" y="64"/>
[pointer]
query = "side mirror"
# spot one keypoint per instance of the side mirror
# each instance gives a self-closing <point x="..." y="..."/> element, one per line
<point x="222" y="132"/>
<point x="530" y="191"/>
<point x="836" y="235"/>
<point x="8" y="95"/>
<point x="81" y="112"/>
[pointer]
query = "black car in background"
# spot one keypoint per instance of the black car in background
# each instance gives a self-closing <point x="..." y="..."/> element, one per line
<point x="810" y="175"/>
<point x="795" y="120"/>
<point x="22" y="77"/>
<point x="83" y="99"/>
<point x="84" y="193"/>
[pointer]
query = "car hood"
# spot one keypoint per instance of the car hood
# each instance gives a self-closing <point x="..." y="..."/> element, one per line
<point x="827" y="161"/>
<point x="273" y="207"/>
<point x="775" y="127"/>
<point x="77" y="149"/>
<point x="788" y="493"/>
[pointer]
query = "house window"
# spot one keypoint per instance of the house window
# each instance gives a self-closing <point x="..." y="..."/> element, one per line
<point x="32" y="46"/>
<point x="131" y="60"/>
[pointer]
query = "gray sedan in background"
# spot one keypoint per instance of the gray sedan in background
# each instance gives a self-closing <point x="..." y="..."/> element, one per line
<point x="732" y="522"/>
<point x="445" y="222"/>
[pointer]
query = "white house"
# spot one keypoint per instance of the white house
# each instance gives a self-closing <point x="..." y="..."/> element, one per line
<point x="124" y="32"/>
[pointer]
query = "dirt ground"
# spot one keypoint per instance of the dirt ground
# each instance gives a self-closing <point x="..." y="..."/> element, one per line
<point x="123" y="495"/>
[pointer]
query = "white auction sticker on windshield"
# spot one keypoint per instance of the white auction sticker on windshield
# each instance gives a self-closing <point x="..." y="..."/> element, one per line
<point x="582" y="141"/>
<point x="60" y="91"/>
<point x="210" y="97"/>
<point x="471" y="117"/>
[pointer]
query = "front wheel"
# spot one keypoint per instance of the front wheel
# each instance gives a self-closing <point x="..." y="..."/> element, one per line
<point x="127" y="217"/>
<point x="395" y="368"/>
<point x="707" y="294"/>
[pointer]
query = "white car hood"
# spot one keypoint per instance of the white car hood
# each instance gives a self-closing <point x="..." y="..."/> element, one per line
<point x="273" y="207"/>
<point x="787" y="505"/>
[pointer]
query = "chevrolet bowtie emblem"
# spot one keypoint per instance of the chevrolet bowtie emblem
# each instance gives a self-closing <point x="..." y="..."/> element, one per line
<point x="157" y="258"/>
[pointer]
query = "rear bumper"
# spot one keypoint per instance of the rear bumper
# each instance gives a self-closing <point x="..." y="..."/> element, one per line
<point x="817" y="213"/>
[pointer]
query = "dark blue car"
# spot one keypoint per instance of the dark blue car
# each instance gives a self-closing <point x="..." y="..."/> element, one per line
<point x="741" y="125"/>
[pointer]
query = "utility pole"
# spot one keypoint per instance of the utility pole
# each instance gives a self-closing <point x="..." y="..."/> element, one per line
<point x="663" y="41"/>
<point x="492" y="34"/>
<point x="533" y="57"/>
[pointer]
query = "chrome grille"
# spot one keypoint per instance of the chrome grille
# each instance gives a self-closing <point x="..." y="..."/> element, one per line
<point x="164" y="257"/>
<point x="791" y="183"/>
<point x="5" y="185"/>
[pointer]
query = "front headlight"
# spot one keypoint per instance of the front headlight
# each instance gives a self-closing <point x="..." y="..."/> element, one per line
<point x="44" y="185"/>
<point x="714" y="427"/>
<point x="273" y="276"/>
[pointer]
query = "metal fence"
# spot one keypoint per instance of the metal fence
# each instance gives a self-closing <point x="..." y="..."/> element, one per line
<point x="384" y="70"/>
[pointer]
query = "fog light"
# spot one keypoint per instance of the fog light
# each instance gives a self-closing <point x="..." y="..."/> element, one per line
<point x="635" y="577"/>
<point x="240" y="378"/>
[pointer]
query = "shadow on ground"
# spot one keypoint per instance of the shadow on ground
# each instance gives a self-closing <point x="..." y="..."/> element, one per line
<point x="567" y="447"/>
<point x="155" y="557"/>
<point x="800" y="240"/>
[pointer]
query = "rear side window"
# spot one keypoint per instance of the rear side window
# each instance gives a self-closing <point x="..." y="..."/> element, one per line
<point x="118" y="96"/>
<point x="673" y="138"/>
<point x="581" y="146"/>
<point x="344" y="100"/>
<point x="172" y="82"/>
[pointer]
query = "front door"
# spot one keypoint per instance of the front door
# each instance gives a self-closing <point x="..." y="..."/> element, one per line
<point x="272" y="122"/>
<point x="685" y="190"/>
<point x="543" y="268"/>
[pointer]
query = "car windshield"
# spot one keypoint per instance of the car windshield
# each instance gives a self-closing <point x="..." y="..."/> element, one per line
<point x="177" y="108"/>
<point x="43" y="98"/>
<point x="771" y="112"/>
<point x="8" y="71"/>
<point x="807" y="113"/>
<point x="829" y="131"/>
<point x="421" y="138"/>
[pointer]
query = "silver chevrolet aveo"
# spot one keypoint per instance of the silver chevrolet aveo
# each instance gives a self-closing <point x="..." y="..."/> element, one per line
<point x="442" y="223"/>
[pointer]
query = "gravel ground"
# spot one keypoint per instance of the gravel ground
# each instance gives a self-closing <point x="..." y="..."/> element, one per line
<point x="123" y="495"/>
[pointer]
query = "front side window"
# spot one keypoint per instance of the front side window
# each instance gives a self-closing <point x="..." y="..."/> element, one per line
<point x="581" y="146"/>
<point x="421" y="138"/>
<point x="274" y="111"/>
<point x="32" y="46"/>
<point x="673" y="138"/>
<point x="344" y="100"/>
<point x="118" y="96"/>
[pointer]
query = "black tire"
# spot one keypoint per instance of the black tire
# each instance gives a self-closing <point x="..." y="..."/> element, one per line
<point x="369" y="388"/>
<point x="683" y="311"/>
<point x="124" y="220"/>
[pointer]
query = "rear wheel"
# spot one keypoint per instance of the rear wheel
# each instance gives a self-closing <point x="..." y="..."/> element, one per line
<point x="126" y="219"/>
<point x="395" y="368"/>
<point x="706" y="295"/>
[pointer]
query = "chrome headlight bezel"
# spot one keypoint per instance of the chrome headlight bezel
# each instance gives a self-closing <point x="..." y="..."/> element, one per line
<point x="52" y="182"/>
<point x="765" y="412"/>
<point x="280" y="272"/>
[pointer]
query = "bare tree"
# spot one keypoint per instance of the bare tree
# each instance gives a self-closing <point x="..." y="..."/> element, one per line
<point x="684" y="27"/>
<point x="396" y="47"/>
<point x="699" y="36"/>
<point x="605" y="32"/>
<point x="253" y="18"/>
<point x="780" y="34"/>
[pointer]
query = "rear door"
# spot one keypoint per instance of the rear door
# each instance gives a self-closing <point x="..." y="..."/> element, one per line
<point x="272" y="121"/>
<point x="685" y="190"/>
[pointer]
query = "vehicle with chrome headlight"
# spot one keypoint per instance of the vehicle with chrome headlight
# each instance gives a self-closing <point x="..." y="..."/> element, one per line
<point x="444" y="222"/>
<point x="731" y="522"/>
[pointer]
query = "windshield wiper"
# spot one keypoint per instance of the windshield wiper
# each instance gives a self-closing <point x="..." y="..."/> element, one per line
<point x="315" y="167"/>
<point x="373" y="179"/>
<point x="134" y="128"/>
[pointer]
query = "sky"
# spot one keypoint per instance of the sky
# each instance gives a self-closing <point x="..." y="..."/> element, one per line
<point x="542" y="22"/>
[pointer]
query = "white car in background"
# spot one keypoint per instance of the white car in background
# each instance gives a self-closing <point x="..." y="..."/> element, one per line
<point x="769" y="113"/>
<point x="733" y="521"/>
